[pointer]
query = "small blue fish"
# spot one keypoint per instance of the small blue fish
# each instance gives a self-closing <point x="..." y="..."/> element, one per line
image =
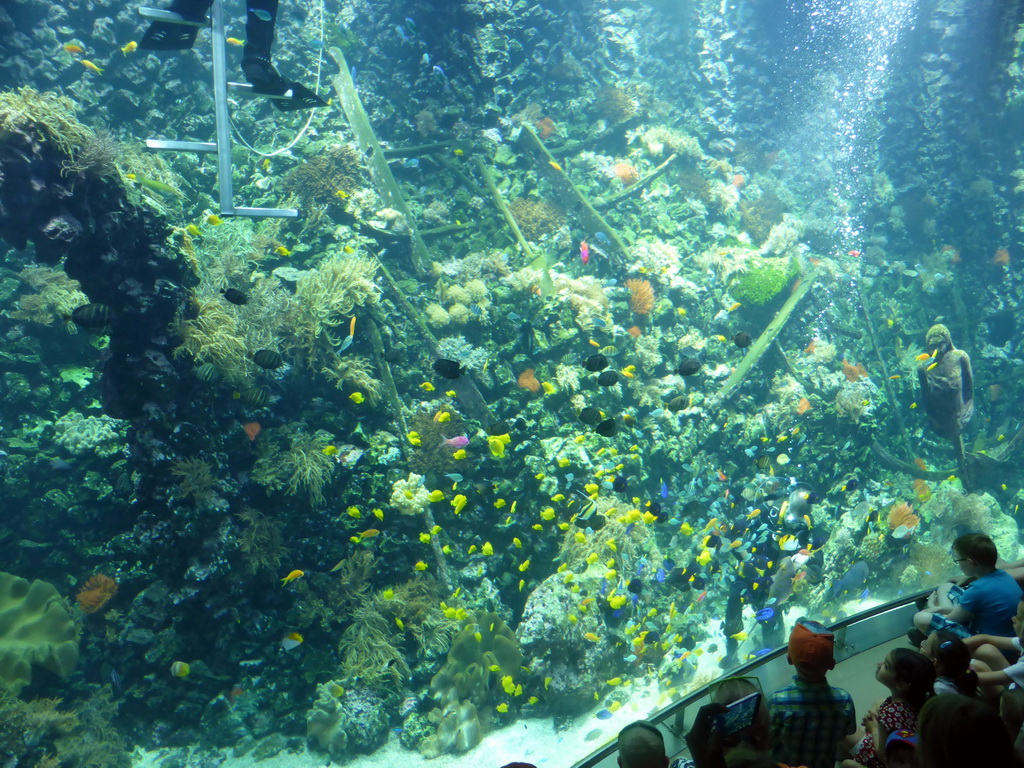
<point x="604" y="587"/>
<point x="630" y="527"/>
<point x="411" y="25"/>
<point x="762" y="652"/>
<point x="765" y="614"/>
<point x="601" y="236"/>
<point x="599" y="323"/>
<point x="630" y="659"/>
<point x="659" y="575"/>
<point x="604" y="714"/>
<point x="668" y="564"/>
<point x="643" y="560"/>
<point x="401" y="33"/>
<point x="634" y="599"/>
<point x="664" y="489"/>
<point x="261" y="14"/>
<point x="455" y="477"/>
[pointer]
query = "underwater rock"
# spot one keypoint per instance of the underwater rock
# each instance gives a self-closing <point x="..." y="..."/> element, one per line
<point x="353" y="721"/>
<point x="80" y="434"/>
<point x="459" y="730"/>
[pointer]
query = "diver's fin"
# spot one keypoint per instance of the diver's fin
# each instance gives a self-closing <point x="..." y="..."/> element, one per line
<point x="170" y="31"/>
<point x="297" y="97"/>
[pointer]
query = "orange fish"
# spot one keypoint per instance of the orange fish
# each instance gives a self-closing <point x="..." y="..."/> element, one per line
<point x="72" y="48"/>
<point x="369" y="533"/>
<point x="252" y="429"/>
<point x="296" y="574"/>
<point x="721" y="476"/>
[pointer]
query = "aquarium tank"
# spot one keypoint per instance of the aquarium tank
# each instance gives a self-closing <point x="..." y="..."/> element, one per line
<point x="476" y="377"/>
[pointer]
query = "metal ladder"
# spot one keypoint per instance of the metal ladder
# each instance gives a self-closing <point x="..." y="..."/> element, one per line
<point x="221" y="86"/>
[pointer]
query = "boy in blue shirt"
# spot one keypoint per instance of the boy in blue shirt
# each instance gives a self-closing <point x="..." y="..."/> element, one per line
<point x="986" y="605"/>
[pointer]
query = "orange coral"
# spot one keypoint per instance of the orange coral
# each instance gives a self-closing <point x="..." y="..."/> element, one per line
<point x="803" y="406"/>
<point x="1002" y="257"/>
<point x="854" y="372"/>
<point x="919" y="463"/>
<point x="626" y="173"/>
<point x="528" y="380"/>
<point x="641" y="296"/>
<point x="902" y="513"/>
<point x="921" y="489"/>
<point x="634" y="331"/>
<point x="545" y="127"/>
<point x="96" y="593"/>
<point x="252" y="429"/>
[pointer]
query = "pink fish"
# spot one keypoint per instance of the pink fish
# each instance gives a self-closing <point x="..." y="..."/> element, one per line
<point x="459" y="441"/>
<point x="584" y="251"/>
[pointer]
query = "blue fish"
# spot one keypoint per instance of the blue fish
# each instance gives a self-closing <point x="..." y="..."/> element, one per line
<point x="601" y="236"/>
<point x="401" y="33"/>
<point x="455" y="477"/>
<point x="599" y="323"/>
<point x="668" y="564"/>
<point x="604" y="714"/>
<point x="630" y="528"/>
<point x="635" y="599"/>
<point x="762" y="652"/>
<point x="659" y="575"/>
<point x="631" y="658"/>
<point x="643" y="560"/>
<point x="604" y="587"/>
<point x="261" y="14"/>
<point x="852" y="580"/>
<point x="664" y="489"/>
<point x="764" y="614"/>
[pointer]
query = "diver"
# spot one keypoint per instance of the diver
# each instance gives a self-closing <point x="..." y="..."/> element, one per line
<point x="947" y="391"/>
<point x="259" y="32"/>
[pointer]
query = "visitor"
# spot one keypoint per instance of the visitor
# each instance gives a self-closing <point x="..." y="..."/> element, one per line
<point x="809" y="717"/>
<point x="994" y="648"/>
<point x="958" y="732"/>
<point x="952" y="660"/>
<point x="641" y="745"/>
<point x="899" y="749"/>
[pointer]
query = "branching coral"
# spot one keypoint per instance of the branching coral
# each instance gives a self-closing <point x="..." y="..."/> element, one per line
<point x="433" y="454"/>
<point x="195" y="479"/>
<point x="214" y="336"/>
<point x="322" y="176"/>
<point x="641" y="296"/>
<point x="536" y="218"/>
<point x="261" y="543"/>
<point x="902" y="513"/>
<point x="355" y="372"/>
<point x="56" y="298"/>
<point x="308" y="468"/>
<point x="98" y="156"/>
<point x="328" y="295"/>
<point x="44" y="116"/>
<point x="96" y="593"/>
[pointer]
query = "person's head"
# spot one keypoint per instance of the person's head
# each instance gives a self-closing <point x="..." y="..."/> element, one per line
<point x="954" y="731"/>
<point x="938" y="340"/>
<point x="1018" y="621"/>
<point x="641" y="745"/>
<point x="952" y="659"/>
<point x="975" y="552"/>
<point x="759" y="735"/>
<point x="811" y="650"/>
<point x="908" y="675"/>
<point x="899" y="749"/>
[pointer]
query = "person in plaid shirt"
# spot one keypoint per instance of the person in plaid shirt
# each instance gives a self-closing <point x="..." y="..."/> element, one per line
<point x="809" y="717"/>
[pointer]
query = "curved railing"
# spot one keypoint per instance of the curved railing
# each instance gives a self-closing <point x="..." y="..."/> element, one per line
<point x="854" y="635"/>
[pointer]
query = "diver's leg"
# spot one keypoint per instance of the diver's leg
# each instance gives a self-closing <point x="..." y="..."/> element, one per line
<point x="166" y="36"/>
<point x="264" y="77"/>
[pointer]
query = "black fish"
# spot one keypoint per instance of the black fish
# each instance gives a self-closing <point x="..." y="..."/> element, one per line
<point x="590" y="416"/>
<point x="498" y="428"/>
<point x="449" y="369"/>
<point x="742" y="339"/>
<point x="678" y="403"/>
<point x="235" y="296"/>
<point x="606" y="428"/>
<point x="393" y="355"/>
<point x="635" y="586"/>
<point x="596" y="363"/>
<point x="527" y="339"/>
<point x="91" y="316"/>
<point x="268" y="358"/>
<point x="688" y="366"/>
<point x="520" y="424"/>
<point x="608" y="379"/>
<point x="207" y="372"/>
<point x="851" y="485"/>
<point x="620" y="484"/>
<point x="254" y="396"/>
<point x="654" y="508"/>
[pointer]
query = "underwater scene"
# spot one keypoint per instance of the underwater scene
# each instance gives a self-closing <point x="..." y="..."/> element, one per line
<point x="610" y="338"/>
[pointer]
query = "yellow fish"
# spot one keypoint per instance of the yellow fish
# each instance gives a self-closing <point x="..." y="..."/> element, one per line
<point x="282" y="251"/>
<point x="734" y="307"/>
<point x="932" y="366"/>
<point x="503" y="707"/>
<point x="388" y="594"/>
<point x="437" y="495"/>
<point x="129" y="48"/>
<point x="442" y="417"/>
<point x="330" y="450"/>
<point x="72" y="48"/>
<point x="420" y="566"/>
<point x="459" y="153"/>
<point x="426" y="386"/>
<point x="460" y="454"/>
<point x="414" y="438"/>
<point x="296" y="574"/>
<point x="497" y="446"/>
<point x="291" y="640"/>
<point x="399" y="623"/>
<point x="341" y="194"/>
<point x="89" y="65"/>
<point x="459" y="502"/>
<point x="180" y="669"/>
<point x="214" y="220"/>
<point x="555" y="165"/>
<point x="740" y="636"/>
<point x="524" y="566"/>
<point x="923" y="356"/>
<point x="588" y="636"/>
<point x="354" y="512"/>
<point x="548" y="387"/>
<point x="518" y="544"/>
<point x="357" y="397"/>
<point x="614" y="681"/>
<point x="487" y="549"/>
<point x="234" y="41"/>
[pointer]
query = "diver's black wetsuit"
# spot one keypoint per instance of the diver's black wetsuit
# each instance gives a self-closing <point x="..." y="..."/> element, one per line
<point x="261" y="15"/>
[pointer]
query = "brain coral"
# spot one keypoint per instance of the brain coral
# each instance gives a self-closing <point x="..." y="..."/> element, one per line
<point x="35" y="628"/>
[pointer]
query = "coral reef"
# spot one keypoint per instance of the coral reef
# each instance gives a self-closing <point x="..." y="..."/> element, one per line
<point x="641" y="296"/>
<point x="764" y="279"/>
<point x="80" y="434"/>
<point x="96" y="593"/>
<point x="35" y="628"/>
<point x="409" y="496"/>
<point x="56" y="297"/>
<point x="344" y="722"/>
<point x="324" y="174"/>
<point x="536" y="218"/>
<point x="482" y="644"/>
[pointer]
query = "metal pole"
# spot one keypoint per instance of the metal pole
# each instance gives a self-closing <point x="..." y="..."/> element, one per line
<point x="220" y="109"/>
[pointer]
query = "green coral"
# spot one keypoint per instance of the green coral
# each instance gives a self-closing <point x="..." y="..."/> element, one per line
<point x="35" y="628"/>
<point x="44" y="116"/>
<point x="765" y="278"/>
<point x="79" y="434"/>
<point x="481" y="645"/>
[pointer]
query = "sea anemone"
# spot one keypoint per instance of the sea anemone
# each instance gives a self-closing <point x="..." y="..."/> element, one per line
<point x="902" y="519"/>
<point x="96" y="593"/>
<point x="641" y="296"/>
<point x="528" y="380"/>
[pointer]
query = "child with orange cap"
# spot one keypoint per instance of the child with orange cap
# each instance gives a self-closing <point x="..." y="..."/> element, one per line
<point x="809" y="716"/>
